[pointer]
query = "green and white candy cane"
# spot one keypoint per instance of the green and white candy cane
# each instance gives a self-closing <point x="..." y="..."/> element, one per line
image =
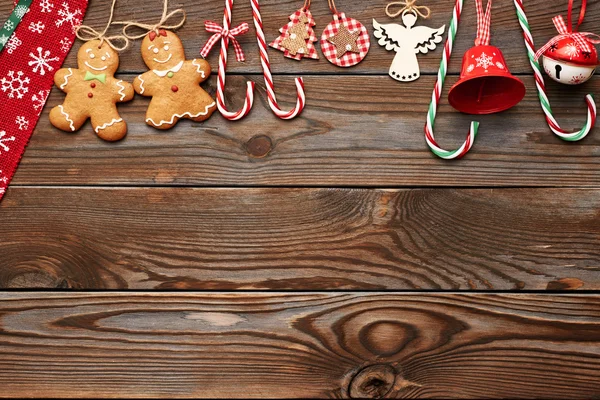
<point x="437" y="92"/>
<point x="541" y="87"/>
<point x="13" y="20"/>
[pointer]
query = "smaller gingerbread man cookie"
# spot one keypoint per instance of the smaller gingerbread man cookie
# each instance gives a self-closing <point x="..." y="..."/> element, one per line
<point x="92" y="92"/>
<point x="173" y="82"/>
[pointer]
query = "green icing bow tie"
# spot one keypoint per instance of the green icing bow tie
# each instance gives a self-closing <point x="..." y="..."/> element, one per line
<point x="90" y="77"/>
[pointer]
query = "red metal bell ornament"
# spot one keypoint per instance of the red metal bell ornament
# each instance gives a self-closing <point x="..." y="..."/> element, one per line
<point x="486" y="85"/>
<point x="571" y="56"/>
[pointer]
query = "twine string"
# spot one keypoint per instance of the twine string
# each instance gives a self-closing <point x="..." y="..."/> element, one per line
<point x="87" y="33"/>
<point x="332" y="7"/>
<point x="161" y="24"/>
<point x="407" y="6"/>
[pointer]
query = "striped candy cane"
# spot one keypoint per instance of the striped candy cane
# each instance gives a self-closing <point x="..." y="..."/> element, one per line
<point x="437" y="92"/>
<point x="266" y="65"/>
<point x="541" y="87"/>
<point x="233" y="116"/>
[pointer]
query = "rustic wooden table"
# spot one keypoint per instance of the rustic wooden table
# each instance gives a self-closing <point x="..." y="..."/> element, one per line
<point x="330" y="256"/>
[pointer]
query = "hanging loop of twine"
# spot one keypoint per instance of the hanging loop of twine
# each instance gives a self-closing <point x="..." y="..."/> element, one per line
<point x="332" y="7"/>
<point x="87" y="33"/>
<point x="407" y="6"/>
<point x="306" y="5"/>
<point x="156" y="28"/>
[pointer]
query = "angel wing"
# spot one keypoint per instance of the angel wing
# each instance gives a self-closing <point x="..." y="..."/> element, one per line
<point x="426" y="38"/>
<point x="391" y="36"/>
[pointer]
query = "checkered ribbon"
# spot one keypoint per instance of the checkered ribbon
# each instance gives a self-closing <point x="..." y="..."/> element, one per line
<point x="220" y="32"/>
<point x="329" y="50"/>
<point x="583" y="40"/>
<point x="484" y="22"/>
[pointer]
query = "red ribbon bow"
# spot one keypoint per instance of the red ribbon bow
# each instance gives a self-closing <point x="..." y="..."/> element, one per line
<point x="152" y="35"/>
<point x="583" y="40"/>
<point x="220" y="32"/>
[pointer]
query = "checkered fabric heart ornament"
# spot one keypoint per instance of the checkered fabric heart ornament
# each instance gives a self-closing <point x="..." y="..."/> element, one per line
<point x="345" y="41"/>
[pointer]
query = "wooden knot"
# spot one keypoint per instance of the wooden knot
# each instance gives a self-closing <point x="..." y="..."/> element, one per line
<point x="373" y="382"/>
<point x="259" y="146"/>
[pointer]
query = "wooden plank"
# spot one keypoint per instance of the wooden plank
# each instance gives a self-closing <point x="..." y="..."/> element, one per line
<point x="374" y="138"/>
<point x="506" y="32"/>
<point x="299" y="345"/>
<point x="300" y="239"/>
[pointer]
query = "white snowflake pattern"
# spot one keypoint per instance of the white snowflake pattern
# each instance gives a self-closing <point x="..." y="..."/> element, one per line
<point x="65" y="45"/>
<point x="470" y="68"/>
<point x="3" y="39"/>
<point x="41" y="61"/>
<point x="16" y="84"/>
<point x="12" y="44"/>
<point x="572" y="50"/>
<point x="8" y="25"/>
<point x="22" y="123"/>
<point x="67" y="16"/>
<point x="4" y="139"/>
<point x="21" y="10"/>
<point x="484" y="61"/>
<point x="3" y="183"/>
<point x="39" y="99"/>
<point x="37" y="27"/>
<point x="46" y="6"/>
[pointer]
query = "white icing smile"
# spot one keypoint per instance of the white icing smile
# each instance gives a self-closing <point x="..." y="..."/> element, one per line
<point x="95" y="69"/>
<point x="163" y="61"/>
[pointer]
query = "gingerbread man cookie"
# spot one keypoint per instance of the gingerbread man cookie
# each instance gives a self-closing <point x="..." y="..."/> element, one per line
<point x="92" y="92"/>
<point x="173" y="82"/>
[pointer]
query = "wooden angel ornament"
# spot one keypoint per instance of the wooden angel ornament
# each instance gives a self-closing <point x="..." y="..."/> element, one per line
<point x="407" y="40"/>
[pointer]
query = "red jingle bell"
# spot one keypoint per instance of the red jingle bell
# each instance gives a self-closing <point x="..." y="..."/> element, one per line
<point x="570" y="57"/>
<point x="486" y="85"/>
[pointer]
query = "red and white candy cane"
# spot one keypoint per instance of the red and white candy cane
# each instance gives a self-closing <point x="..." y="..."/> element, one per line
<point x="225" y="38"/>
<point x="437" y="92"/>
<point x="266" y="65"/>
<point x="541" y="87"/>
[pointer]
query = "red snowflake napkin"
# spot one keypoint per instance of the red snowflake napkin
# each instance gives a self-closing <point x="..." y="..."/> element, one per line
<point x="32" y="55"/>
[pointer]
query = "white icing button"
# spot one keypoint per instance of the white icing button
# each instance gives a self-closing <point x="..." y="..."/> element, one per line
<point x="293" y="36"/>
<point x="166" y="48"/>
<point x="155" y="51"/>
<point x="103" y="58"/>
<point x="92" y="55"/>
<point x="348" y="47"/>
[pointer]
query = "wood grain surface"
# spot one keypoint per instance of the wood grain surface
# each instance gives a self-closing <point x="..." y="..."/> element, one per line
<point x="360" y="128"/>
<point x="316" y="345"/>
<point x="300" y="239"/>
<point x="302" y="234"/>
<point x="374" y="138"/>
